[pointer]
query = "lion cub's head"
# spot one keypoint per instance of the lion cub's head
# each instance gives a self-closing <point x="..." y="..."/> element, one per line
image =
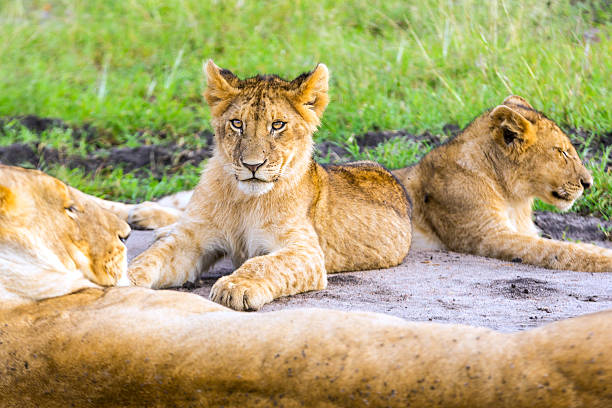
<point x="53" y="239"/>
<point x="263" y="125"/>
<point x="543" y="160"/>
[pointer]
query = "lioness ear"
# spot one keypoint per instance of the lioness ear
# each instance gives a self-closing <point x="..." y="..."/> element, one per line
<point x="516" y="100"/>
<point x="219" y="87"/>
<point x="7" y="198"/>
<point x="310" y="93"/>
<point x="511" y="128"/>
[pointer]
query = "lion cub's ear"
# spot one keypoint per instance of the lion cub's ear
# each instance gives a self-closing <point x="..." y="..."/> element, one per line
<point x="512" y="129"/>
<point x="220" y="90"/>
<point x="7" y="199"/>
<point x="516" y="100"/>
<point x="310" y="93"/>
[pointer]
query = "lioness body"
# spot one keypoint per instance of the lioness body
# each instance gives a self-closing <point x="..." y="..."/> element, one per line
<point x="111" y="348"/>
<point x="284" y="220"/>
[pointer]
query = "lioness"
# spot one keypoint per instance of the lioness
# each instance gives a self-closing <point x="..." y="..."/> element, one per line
<point x="37" y="246"/>
<point x="262" y="200"/>
<point x="135" y="347"/>
<point x="475" y="193"/>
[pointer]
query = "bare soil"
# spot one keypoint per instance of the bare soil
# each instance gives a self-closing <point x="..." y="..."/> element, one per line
<point x="443" y="287"/>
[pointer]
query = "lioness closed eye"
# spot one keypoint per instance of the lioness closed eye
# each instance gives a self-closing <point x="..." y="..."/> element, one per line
<point x="262" y="200"/>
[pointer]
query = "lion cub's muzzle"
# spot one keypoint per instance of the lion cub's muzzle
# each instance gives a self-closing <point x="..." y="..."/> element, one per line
<point x="253" y="168"/>
<point x="256" y="171"/>
<point x="256" y="177"/>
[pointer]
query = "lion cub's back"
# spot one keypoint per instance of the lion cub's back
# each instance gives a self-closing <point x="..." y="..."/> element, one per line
<point x="362" y="217"/>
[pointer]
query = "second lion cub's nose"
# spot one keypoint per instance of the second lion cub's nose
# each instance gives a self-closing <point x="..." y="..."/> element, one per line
<point x="586" y="183"/>
<point x="253" y="166"/>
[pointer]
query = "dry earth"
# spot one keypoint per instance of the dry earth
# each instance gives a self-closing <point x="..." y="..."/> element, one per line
<point x="448" y="287"/>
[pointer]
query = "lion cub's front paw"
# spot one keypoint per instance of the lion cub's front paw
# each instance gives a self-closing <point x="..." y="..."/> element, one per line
<point x="240" y="293"/>
<point x="138" y="276"/>
<point x="150" y="215"/>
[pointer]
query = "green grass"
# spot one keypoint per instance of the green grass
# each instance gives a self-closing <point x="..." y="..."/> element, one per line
<point x="393" y="154"/>
<point x="134" y="67"/>
<point x="117" y="185"/>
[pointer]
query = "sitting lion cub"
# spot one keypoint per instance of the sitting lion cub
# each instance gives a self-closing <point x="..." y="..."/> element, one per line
<point x="262" y="200"/>
<point x="475" y="193"/>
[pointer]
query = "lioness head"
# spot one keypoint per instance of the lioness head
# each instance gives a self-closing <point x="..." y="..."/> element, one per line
<point x="53" y="239"/>
<point x="542" y="153"/>
<point x="263" y="125"/>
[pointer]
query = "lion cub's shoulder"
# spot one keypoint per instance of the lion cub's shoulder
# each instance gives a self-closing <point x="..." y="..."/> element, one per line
<point x="370" y="181"/>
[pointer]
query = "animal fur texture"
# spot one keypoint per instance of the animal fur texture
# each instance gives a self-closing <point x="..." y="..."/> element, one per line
<point x="475" y="193"/>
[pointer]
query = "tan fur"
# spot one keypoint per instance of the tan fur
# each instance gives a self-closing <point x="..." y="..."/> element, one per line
<point x="134" y="347"/>
<point x="475" y="193"/>
<point x="287" y="222"/>
<point x="30" y="201"/>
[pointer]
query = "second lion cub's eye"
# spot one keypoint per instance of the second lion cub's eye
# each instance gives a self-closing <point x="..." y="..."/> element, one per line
<point x="236" y="123"/>
<point x="278" y="125"/>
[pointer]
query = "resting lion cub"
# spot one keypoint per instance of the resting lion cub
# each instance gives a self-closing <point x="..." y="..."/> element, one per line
<point x="262" y="200"/>
<point x="475" y="193"/>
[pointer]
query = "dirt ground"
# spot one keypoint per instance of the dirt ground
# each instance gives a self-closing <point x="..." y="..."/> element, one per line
<point x="447" y="287"/>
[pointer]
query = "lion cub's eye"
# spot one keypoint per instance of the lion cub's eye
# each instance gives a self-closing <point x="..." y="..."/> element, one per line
<point x="563" y="153"/>
<point x="278" y="125"/>
<point x="236" y="124"/>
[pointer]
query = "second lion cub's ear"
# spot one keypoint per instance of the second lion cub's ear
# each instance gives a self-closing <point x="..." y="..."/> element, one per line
<point x="511" y="129"/>
<point x="219" y="87"/>
<point x="310" y="93"/>
<point x="516" y="100"/>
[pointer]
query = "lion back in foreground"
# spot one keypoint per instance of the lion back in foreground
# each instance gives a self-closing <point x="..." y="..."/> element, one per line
<point x="475" y="193"/>
<point x="283" y="219"/>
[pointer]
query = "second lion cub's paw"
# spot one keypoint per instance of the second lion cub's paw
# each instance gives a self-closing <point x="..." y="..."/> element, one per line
<point x="240" y="293"/>
<point x="150" y="215"/>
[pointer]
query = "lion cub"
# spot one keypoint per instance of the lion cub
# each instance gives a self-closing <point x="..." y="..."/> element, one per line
<point x="262" y="200"/>
<point x="475" y="193"/>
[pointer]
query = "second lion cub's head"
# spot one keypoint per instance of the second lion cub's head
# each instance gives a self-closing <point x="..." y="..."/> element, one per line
<point x="263" y="125"/>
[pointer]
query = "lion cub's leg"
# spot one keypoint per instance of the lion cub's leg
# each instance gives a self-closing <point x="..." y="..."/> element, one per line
<point x="147" y="215"/>
<point x="298" y="267"/>
<point x="154" y="215"/>
<point x="180" y="254"/>
<point x="150" y="215"/>
<point x="547" y="253"/>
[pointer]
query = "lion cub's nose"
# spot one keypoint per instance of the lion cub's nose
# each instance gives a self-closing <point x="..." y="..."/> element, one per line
<point x="253" y="166"/>
<point x="586" y="183"/>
